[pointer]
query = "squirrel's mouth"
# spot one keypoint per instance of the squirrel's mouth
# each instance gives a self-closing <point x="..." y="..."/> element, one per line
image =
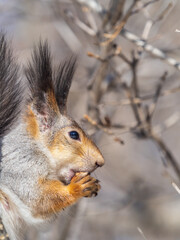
<point x="69" y="174"/>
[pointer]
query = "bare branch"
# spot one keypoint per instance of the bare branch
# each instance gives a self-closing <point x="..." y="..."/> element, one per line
<point x="149" y="48"/>
<point x="80" y="24"/>
<point x="142" y="6"/>
<point x="118" y="27"/>
<point x="93" y="4"/>
<point x="104" y="129"/>
<point x="157" y="94"/>
<point x="169" y="156"/>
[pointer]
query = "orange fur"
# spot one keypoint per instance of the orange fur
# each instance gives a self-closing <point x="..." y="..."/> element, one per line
<point x="52" y="102"/>
<point x="55" y="196"/>
<point x="30" y="118"/>
<point x="32" y="125"/>
<point x="56" y="142"/>
<point x="56" y="146"/>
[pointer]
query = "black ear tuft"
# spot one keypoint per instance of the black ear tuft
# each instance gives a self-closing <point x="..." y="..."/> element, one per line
<point x="39" y="72"/>
<point x="63" y="81"/>
<point x="46" y="87"/>
<point x="10" y="88"/>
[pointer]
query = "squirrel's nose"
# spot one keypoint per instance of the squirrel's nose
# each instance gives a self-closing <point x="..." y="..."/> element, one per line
<point x="100" y="162"/>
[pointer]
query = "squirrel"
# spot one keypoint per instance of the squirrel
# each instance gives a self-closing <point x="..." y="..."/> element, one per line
<point x="46" y="160"/>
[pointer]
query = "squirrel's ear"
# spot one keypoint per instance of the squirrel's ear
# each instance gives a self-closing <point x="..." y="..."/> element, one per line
<point x="63" y="80"/>
<point x="42" y="96"/>
<point x="48" y="91"/>
<point x="45" y="110"/>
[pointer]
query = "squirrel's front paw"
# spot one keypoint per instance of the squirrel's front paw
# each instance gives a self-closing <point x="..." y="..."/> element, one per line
<point x="84" y="185"/>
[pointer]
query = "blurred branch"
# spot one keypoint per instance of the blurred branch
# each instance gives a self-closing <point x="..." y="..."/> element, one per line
<point x="164" y="12"/>
<point x="114" y="13"/>
<point x="142" y="6"/>
<point x="95" y="89"/>
<point x="123" y="102"/>
<point x="141" y="233"/>
<point x="167" y="123"/>
<point x="149" y="48"/>
<point x="157" y="95"/>
<point x="105" y="130"/>
<point x="118" y="27"/>
<point x="93" y="4"/>
<point x="168" y="154"/>
<point x="133" y="105"/>
<point x="143" y="114"/>
<point x="80" y="24"/>
<point x="70" y="221"/>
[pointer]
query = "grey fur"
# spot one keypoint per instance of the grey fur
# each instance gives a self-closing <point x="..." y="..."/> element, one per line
<point x="22" y="164"/>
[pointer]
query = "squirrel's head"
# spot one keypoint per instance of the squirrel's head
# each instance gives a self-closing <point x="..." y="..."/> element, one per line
<point x="66" y="145"/>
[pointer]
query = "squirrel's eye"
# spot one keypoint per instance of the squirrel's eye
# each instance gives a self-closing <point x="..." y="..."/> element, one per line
<point x="74" y="135"/>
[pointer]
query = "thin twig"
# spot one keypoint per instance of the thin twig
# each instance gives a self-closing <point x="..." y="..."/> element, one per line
<point x="167" y="123"/>
<point x="119" y="27"/>
<point x="164" y="13"/>
<point x="133" y="105"/>
<point x="149" y="48"/>
<point x="117" y="52"/>
<point x="92" y="4"/>
<point x="104" y="129"/>
<point x="142" y="6"/>
<point x="141" y="99"/>
<point x="168" y="154"/>
<point x="157" y="94"/>
<point x="80" y="24"/>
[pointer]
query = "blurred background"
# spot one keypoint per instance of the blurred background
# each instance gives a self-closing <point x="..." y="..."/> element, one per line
<point x="126" y="95"/>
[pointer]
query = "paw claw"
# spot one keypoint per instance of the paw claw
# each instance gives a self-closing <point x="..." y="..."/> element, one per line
<point x="94" y="194"/>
